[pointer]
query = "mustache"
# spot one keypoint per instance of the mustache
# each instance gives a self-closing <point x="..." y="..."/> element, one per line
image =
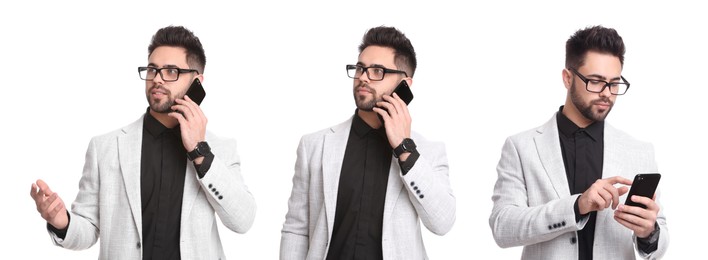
<point x="160" y="87"/>
<point x="366" y="86"/>
<point x="603" y="100"/>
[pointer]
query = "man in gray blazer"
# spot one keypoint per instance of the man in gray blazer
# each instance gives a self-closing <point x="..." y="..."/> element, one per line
<point x="556" y="182"/>
<point x="362" y="187"/>
<point x="139" y="192"/>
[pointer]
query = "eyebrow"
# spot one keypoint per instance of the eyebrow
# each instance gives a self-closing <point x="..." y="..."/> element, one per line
<point x="372" y="65"/>
<point x="166" y="66"/>
<point x="600" y="77"/>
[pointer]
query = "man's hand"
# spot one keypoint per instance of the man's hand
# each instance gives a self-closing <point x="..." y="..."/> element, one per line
<point x="49" y="205"/>
<point x="639" y="220"/>
<point x="192" y="123"/>
<point x="397" y="120"/>
<point x="602" y="194"/>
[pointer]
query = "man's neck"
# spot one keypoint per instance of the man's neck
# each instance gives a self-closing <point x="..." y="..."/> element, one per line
<point x="572" y="113"/>
<point x="164" y="119"/>
<point x="371" y="118"/>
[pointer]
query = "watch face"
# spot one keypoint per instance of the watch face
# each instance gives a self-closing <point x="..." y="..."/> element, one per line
<point x="408" y="144"/>
<point x="202" y="147"/>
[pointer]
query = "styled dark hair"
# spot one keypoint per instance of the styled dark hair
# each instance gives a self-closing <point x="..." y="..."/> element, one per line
<point x="178" y="36"/>
<point x="596" y="38"/>
<point x="392" y="38"/>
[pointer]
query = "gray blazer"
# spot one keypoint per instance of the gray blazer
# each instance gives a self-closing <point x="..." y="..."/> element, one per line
<point x="533" y="206"/>
<point x="108" y="205"/>
<point x="308" y="224"/>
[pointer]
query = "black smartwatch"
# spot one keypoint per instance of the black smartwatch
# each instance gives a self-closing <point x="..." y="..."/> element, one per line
<point x="407" y="146"/>
<point x="202" y="149"/>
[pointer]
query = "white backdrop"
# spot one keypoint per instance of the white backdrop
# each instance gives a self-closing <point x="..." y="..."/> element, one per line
<point x="486" y="71"/>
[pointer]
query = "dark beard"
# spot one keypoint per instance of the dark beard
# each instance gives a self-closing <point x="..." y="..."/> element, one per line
<point x="364" y="105"/>
<point x="586" y="109"/>
<point x="161" y="108"/>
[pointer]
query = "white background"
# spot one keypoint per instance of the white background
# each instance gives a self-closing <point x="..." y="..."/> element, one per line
<point x="275" y="71"/>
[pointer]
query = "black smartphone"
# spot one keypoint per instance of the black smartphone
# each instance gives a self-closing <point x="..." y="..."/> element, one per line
<point x="644" y="185"/>
<point x="196" y="92"/>
<point x="404" y="92"/>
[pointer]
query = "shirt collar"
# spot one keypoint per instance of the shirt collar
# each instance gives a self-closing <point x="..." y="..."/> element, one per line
<point x="362" y="129"/>
<point x="155" y="128"/>
<point x="568" y="128"/>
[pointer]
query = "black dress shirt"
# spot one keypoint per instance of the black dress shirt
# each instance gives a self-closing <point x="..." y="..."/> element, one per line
<point x="162" y="171"/>
<point x="358" y="219"/>
<point x="582" y="150"/>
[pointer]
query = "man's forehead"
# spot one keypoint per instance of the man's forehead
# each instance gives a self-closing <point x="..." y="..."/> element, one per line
<point x="166" y="55"/>
<point x="377" y="55"/>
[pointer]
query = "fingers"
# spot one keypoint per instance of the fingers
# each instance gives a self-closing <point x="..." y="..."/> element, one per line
<point x="650" y="203"/>
<point x="195" y="107"/>
<point x="44" y="188"/>
<point x="619" y="180"/>
<point x="33" y="191"/>
<point x="622" y="190"/>
<point x="639" y="220"/>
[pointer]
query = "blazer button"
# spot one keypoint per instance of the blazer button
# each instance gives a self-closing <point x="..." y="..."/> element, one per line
<point x="138" y="245"/>
<point x="555" y="225"/>
<point x="573" y="240"/>
<point x="412" y="183"/>
<point x="221" y="197"/>
<point x="213" y="190"/>
<point x="210" y="185"/>
<point x="415" y="187"/>
<point x="421" y="196"/>
<point x="563" y="223"/>
<point x="550" y="227"/>
<point x="417" y="192"/>
<point x="216" y="193"/>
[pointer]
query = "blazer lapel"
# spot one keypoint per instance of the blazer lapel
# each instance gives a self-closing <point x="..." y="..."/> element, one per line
<point x="612" y="160"/>
<point x="393" y="190"/>
<point x="335" y="144"/>
<point x="129" y="153"/>
<point x="191" y="189"/>
<point x="549" y="151"/>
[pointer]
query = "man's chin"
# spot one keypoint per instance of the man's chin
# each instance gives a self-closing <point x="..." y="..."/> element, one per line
<point x="162" y="109"/>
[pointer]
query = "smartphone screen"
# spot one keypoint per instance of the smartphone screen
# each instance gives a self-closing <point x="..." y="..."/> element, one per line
<point x="196" y="91"/>
<point x="644" y="185"/>
<point x="404" y="92"/>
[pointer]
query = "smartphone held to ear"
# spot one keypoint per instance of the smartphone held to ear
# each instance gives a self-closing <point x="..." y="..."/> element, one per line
<point x="196" y="92"/>
<point x="644" y="185"/>
<point x="404" y="92"/>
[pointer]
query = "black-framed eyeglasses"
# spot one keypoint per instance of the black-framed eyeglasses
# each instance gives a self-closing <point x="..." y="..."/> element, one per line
<point x="597" y="86"/>
<point x="167" y="74"/>
<point x="374" y="73"/>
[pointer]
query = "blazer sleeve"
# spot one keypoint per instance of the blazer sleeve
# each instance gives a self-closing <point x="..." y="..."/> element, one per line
<point x="513" y="221"/>
<point x="429" y="189"/>
<point x="234" y="204"/>
<point x="83" y="230"/>
<point x="294" y="241"/>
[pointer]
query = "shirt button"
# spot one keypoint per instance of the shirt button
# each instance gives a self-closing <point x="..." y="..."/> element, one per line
<point x="138" y="245"/>
<point x="573" y="240"/>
